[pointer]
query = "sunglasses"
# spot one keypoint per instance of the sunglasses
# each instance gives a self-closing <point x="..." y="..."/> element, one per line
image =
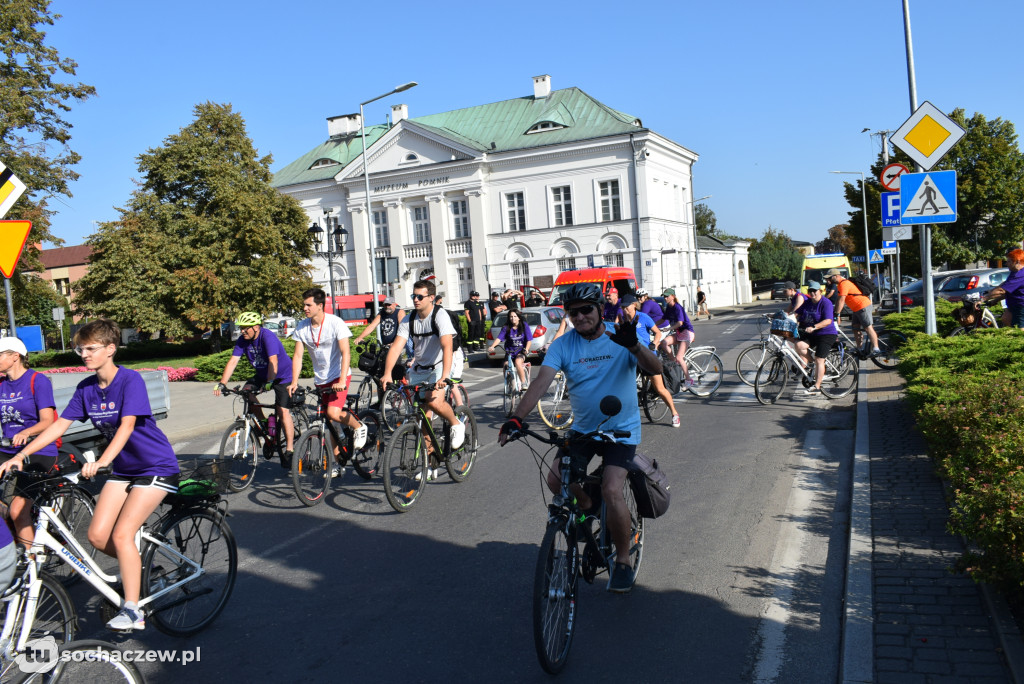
<point x="419" y="298"/>
<point x="580" y="310"/>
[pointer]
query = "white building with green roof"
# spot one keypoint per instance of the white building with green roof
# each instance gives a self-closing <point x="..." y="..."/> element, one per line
<point x="509" y="193"/>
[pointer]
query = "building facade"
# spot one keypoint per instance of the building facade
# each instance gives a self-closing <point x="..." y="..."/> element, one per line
<point x="506" y="194"/>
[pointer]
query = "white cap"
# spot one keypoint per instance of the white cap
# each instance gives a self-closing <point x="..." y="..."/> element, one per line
<point x="13" y="344"/>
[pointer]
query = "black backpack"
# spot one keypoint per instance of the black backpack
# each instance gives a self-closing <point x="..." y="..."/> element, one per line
<point x="456" y="323"/>
<point x="864" y="284"/>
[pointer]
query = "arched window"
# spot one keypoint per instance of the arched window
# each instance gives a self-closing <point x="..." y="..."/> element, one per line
<point x="543" y="126"/>
<point x="321" y="163"/>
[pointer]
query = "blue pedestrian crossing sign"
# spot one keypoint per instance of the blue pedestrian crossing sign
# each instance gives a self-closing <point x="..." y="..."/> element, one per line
<point x="928" y="197"/>
<point x="876" y="256"/>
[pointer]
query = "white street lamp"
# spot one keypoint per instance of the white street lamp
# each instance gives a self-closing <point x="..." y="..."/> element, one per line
<point x="696" y="249"/>
<point x="366" y="179"/>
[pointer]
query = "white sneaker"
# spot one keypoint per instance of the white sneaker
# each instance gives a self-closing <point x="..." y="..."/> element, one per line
<point x="458" y="434"/>
<point x="126" y="620"/>
<point x="359" y="437"/>
<point x="337" y="471"/>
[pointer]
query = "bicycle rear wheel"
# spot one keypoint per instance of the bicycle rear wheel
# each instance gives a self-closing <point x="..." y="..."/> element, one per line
<point x="242" y="447"/>
<point x="655" y="407"/>
<point x="404" y="467"/>
<point x="92" y="661"/>
<point x="771" y="380"/>
<point x="204" y="537"/>
<point x="749" y="360"/>
<point x="366" y="394"/>
<point x="706" y="370"/>
<point x="889" y="344"/>
<point x="74" y="508"/>
<point x="311" y="466"/>
<point x="460" y="461"/>
<point x="554" y="407"/>
<point x="636" y="528"/>
<point x="555" y="584"/>
<point x="840" y="379"/>
<point x="395" y="408"/>
<point x="366" y="460"/>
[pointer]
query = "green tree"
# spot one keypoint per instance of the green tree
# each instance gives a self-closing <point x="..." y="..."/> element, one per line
<point x="204" y="237"/>
<point x="990" y="198"/>
<point x="34" y="301"/>
<point x="836" y="242"/>
<point x="773" y="256"/>
<point x="704" y="217"/>
<point x="34" y="135"/>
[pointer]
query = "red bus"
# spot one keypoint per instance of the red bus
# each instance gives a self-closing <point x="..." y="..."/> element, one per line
<point x="354" y="309"/>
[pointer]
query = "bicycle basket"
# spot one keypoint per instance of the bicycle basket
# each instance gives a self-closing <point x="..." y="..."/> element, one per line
<point x="202" y="477"/>
<point x="784" y="328"/>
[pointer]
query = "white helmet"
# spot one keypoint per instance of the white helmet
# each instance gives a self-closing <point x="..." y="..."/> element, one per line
<point x="641" y="292"/>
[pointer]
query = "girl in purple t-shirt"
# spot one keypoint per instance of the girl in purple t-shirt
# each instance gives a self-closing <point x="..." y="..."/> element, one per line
<point x="26" y="409"/>
<point x="144" y="467"/>
<point x="517" y="337"/>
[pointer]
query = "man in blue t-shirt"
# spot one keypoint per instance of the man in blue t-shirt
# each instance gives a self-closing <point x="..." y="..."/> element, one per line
<point x="268" y="357"/>
<point x="596" y="362"/>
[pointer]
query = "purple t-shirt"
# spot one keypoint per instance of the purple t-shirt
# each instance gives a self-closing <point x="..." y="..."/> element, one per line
<point x="811" y="314"/>
<point x="797" y="298"/>
<point x="20" y="403"/>
<point x="515" y="341"/>
<point x="1014" y="286"/>
<point x="652" y="309"/>
<point x="676" y="313"/>
<point x="612" y="312"/>
<point x="147" y="451"/>
<point x="259" y="350"/>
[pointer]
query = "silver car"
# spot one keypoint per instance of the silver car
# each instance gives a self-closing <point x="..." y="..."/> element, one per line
<point x="543" y="322"/>
<point x="981" y="282"/>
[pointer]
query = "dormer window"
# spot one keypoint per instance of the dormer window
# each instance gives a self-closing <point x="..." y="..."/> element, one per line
<point x="411" y="157"/>
<point x="544" y="126"/>
<point x="321" y="163"/>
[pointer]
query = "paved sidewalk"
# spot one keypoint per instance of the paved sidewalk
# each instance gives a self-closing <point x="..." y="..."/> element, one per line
<point x="926" y="623"/>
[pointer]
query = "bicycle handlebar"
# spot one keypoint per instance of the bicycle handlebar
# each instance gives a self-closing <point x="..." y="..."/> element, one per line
<point x="555" y="439"/>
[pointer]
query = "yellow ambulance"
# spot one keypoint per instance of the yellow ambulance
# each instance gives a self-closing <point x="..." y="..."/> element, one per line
<point x="816" y="265"/>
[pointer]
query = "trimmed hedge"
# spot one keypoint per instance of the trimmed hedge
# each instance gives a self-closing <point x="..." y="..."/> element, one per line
<point x="136" y="351"/>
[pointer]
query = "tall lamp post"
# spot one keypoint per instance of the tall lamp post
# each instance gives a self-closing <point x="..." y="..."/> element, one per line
<point x="864" y="208"/>
<point x="366" y="179"/>
<point x="339" y="234"/>
<point x="696" y="248"/>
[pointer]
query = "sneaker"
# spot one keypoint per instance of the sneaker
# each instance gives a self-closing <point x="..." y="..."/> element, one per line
<point x="359" y="437"/>
<point x="688" y="382"/>
<point x="811" y="392"/>
<point x="458" y="434"/>
<point x="675" y="421"/>
<point x="431" y="475"/>
<point x="526" y="386"/>
<point x="621" y="581"/>
<point x="876" y="352"/>
<point x="286" y="459"/>
<point x="126" y="620"/>
<point x="337" y="471"/>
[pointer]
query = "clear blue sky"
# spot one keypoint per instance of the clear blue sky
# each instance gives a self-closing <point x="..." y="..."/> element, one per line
<point x="771" y="95"/>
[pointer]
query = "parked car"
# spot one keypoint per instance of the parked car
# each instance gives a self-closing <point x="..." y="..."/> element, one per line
<point x="913" y="294"/>
<point x="779" y="291"/>
<point x="981" y="282"/>
<point x="543" y="322"/>
<point x="282" y="326"/>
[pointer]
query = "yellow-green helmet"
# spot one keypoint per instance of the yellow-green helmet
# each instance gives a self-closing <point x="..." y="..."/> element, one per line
<point x="247" y="318"/>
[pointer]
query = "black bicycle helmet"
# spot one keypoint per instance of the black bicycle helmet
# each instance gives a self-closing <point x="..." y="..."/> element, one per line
<point x="582" y="292"/>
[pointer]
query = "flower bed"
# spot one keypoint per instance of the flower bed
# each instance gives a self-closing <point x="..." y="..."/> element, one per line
<point x="173" y="374"/>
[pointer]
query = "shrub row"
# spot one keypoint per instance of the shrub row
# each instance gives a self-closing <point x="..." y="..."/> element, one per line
<point x="136" y="351"/>
<point x="967" y="394"/>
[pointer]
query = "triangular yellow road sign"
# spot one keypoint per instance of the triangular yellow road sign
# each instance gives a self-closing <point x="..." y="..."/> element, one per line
<point x="13" y="236"/>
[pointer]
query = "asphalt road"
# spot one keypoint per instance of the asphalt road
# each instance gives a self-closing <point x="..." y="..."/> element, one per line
<point x="741" y="581"/>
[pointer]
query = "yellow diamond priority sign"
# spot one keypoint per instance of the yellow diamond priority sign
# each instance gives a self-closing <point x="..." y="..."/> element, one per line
<point x="927" y="135"/>
<point x="13" y="236"/>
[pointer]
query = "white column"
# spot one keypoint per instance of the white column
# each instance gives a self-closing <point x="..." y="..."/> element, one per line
<point x="397" y="232"/>
<point x="437" y="209"/>
<point x="478" y="229"/>
<point x="360" y="243"/>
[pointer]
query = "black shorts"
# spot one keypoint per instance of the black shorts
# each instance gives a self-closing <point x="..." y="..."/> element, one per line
<point x="821" y="344"/>
<point x="611" y="453"/>
<point x="281" y="397"/>
<point x="168" y="483"/>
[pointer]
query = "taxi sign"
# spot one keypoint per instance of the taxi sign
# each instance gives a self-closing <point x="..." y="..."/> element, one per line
<point x="927" y="135"/>
<point x="13" y="236"/>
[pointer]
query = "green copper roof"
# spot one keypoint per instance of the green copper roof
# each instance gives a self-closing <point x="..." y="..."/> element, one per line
<point x="497" y="127"/>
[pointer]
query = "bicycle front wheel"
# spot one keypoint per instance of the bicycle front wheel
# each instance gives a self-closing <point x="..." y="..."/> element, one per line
<point x="74" y="508"/>
<point x="840" y="379"/>
<point x="889" y="343"/>
<point x="395" y="408"/>
<point x="749" y="360"/>
<point x="311" y="466"/>
<point x="655" y="407"/>
<point x="706" y="370"/>
<point x="554" y="407"/>
<point x="55" y="617"/>
<point x="405" y="467"/>
<point x="204" y="537"/>
<point x="771" y="380"/>
<point x="555" y="583"/>
<point x="241" y="446"/>
<point x="460" y="461"/>
<point x="366" y="394"/>
<point x="366" y="460"/>
<point x="508" y="396"/>
<point x="90" y="660"/>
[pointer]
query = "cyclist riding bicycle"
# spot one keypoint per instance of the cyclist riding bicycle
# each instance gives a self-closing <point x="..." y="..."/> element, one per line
<point x="596" y="362"/>
<point x="386" y="324"/>
<point x="431" y="332"/>
<point x="818" y="330"/>
<point x="267" y="356"/>
<point x="859" y="304"/>
<point x="326" y="337"/>
<point x="678" y="330"/>
<point x="648" y="334"/>
<point x="517" y="337"/>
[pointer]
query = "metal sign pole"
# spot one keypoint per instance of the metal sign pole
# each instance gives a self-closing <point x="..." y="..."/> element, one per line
<point x="10" y="308"/>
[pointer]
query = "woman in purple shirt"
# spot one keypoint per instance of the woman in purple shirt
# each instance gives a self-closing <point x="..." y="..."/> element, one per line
<point x="818" y="330"/>
<point x="26" y="409"/>
<point x="678" y="328"/>
<point x="517" y="337"/>
<point x="144" y="467"/>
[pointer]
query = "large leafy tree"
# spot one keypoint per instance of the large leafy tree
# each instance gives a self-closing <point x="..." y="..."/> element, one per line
<point x="990" y="198"/>
<point x="773" y="256"/>
<point x="203" y="238"/>
<point x="837" y="241"/>
<point x="34" y="99"/>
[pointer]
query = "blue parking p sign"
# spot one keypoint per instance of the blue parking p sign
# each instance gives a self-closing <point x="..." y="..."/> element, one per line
<point x="890" y="209"/>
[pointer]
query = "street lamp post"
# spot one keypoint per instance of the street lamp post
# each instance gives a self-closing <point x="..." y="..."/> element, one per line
<point x="864" y="208"/>
<point x="696" y="248"/>
<point x="317" y="232"/>
<point x="366" y="179"/>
